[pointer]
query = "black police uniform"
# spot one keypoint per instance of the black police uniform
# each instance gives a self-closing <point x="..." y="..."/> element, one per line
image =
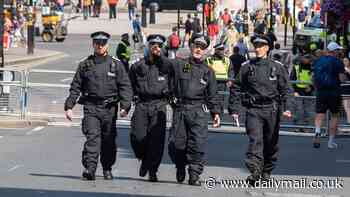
<point x="194" y="89"/>
<point x="100" y="83"/>
<point x="150" y="83"/>
<point x="264" y="91"/>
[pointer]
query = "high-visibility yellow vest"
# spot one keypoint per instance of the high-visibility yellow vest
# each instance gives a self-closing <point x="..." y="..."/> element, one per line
<point x="303" y="76"/>
<point x="127" y="53"/>
<point x="220" y="67"/>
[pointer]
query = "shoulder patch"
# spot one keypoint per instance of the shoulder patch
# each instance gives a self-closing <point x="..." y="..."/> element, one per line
<point x="83" y="59"/>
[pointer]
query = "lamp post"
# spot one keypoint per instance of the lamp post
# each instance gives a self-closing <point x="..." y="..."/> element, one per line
<point x="30" y="28"/>
<point x="245" y="19"/>
<point x="143" y="14"/>
<point x="178" y="17"/>
<point x="286" y="17"/>
<point x="271" y="15"/>
<point x="294" y="19"/>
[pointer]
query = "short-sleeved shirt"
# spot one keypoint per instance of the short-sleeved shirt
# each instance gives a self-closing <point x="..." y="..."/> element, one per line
<point x="336" y="68"/>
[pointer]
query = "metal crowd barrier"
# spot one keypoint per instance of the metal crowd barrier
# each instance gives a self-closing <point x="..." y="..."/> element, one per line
<point x="24" y="98"/>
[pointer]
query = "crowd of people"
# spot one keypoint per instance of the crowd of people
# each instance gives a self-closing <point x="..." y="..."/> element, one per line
<point x="14" y="27"/>
<point x="92" y="8"/>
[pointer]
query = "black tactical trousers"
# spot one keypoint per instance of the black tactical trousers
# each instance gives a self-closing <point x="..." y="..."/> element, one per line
<point x="148" y="127"/>
<point x="99" y="128"/>
<point x="221" y="88"/>
<point x="188" y="138"/>
<point x="262" y="126"/>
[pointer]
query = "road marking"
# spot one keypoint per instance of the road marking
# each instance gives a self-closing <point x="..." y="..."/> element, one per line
<point x="342" y="161"/>
<point x="66" y="79"/>
<point x="35" y="130"/>
<point x="14" y="168"/>
<point x="1" y="136"/>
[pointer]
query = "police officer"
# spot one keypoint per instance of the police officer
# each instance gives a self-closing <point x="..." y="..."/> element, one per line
<point x="100" y="83"/>
<point x="221" y="66"/>
<point x="150" y="82"/>
<point x="302" y="73"/>
<point x="194" y="87"/>
<point x="265" y="92"/>
<point x="124" y="51"/>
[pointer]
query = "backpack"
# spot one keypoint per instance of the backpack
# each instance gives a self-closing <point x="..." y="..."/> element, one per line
<point x="174" y="41"/>
<point x="323" y="71"/>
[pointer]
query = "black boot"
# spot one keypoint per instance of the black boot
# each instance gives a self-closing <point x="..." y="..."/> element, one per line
<point x="180" y="174"/>
<point x="107" y="174"/>
<point x="252" y="179"/>
<point x="194" y="180"/>
<point x="88" y="175"/>
<point x="143" y="170"/>
<point x="266" y="176"/>
<point x="152" y="177"/>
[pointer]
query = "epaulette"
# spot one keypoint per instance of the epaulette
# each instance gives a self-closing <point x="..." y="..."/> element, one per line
<point x="246" y="62"/>
<point x="278" y="62"/>
<point x="115" y="58"/>
<point x="83" y="59"/>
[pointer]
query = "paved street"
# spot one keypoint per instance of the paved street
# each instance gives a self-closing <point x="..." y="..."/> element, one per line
<point x="46" y="162"/>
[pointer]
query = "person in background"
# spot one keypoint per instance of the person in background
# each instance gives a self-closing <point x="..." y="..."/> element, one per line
<point x="328" y="73"/>
<point x="221" y="65"/>
<point x="97" y="8"/>
<point x="243" y="48"/>
<point x="346" y="100"/>
<point x="302" y="73"/>
<point x="86" y="8"/>
<point x="132" y="5"/>
<point x="174" y="42"/>
<point x="136" y="26"/>
<point x="112" y="8"/>
<point x="226" y="17"/>
<point x="124" y="51"/>
<point x="188" y="29"/>
<point x="197" y="27"/>
<point x="230" y="38"/>
<point x="236" y="60"/>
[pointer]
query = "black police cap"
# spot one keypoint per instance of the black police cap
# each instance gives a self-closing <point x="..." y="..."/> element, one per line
<point x="219" y="46"/>
<point x="260" y="39"/>
<point x="125" y="36"/>
<point x="201" y="39"/>
<point x="100" y="35"/>
<point x="156" y="38"/>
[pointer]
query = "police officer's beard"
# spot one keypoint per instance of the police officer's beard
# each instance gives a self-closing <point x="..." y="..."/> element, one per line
<point x="156" y="59"/>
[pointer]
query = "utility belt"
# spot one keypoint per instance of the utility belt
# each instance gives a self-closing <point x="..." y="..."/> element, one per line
<point x="149" y="99"/>
<point x="257" y="102"/>
<point x="188" y="102"/>
<point x="98" y="101"/>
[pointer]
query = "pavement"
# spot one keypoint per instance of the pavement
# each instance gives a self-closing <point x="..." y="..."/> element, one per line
<point x="17" y="58"/>
<point x="45" y="162"/>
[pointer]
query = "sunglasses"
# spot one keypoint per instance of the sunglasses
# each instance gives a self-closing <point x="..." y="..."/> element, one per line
<point x="199" y="45"/>
<point x="258" y="45"/>
<point x="155" y="45"/>
<point x="100" y="42"/>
